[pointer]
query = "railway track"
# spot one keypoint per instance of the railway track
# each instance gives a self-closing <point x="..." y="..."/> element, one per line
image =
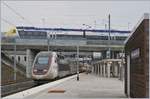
<point x="16" y="87"/>
<point x="20" y="86"/>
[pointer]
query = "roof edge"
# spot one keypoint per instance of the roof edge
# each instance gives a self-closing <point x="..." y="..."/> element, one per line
<point x="145" y="16"/>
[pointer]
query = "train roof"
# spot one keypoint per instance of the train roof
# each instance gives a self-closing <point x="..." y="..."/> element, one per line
<point x="46" y="52"/>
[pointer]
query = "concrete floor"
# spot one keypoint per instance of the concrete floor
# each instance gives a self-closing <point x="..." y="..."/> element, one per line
<point x="89" y="86"/>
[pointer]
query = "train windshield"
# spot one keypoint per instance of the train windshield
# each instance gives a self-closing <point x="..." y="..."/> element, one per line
<point x="42" y="60"/>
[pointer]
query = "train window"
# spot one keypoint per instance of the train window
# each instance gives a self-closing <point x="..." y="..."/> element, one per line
<point x="56" y="60"/>
<point x="42" y="60"/>
<point x="25" y="58"/>
<point x="18" y="58"/>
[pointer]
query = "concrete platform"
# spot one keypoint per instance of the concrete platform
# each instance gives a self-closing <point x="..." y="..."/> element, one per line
<point x="89" y="86"/>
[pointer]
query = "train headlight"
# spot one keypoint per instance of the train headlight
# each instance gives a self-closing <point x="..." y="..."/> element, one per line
<point x="35" y="70"/>
<point x="45" y="70"/>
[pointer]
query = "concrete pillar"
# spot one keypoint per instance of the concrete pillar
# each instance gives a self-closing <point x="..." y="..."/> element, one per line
<point x="93" y="69"/>
<point x="101" y="70"/>
<point x="104" y="70"/>
<point x="120" y="71"/>
<point x="116" y="70"/>
<point x="30" y="59"/>
<point x="97" y="69"/>
<point x="108" y="70"/>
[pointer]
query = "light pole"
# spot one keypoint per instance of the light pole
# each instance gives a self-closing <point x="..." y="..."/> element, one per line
<point x="43" y="21"/>
<point x="77" y="63"/>
<point x="128" y="26"/>
<point x="109" y="39"/>
<point x="95" y="24"/>
<point x="55" y="42"/>
<point x="108" y="52"/>
<point x="51" y="39"/>
<point x="15" y="59"/>
<point x="48" y="36"/>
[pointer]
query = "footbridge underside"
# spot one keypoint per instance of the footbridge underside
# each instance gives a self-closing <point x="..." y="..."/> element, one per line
<point x="63" y="45"/>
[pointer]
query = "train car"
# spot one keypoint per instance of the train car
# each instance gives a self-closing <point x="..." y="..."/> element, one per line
<point x="50" y="65"/>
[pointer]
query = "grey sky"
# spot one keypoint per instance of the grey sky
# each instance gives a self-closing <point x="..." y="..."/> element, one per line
<point x="72" y="14"/>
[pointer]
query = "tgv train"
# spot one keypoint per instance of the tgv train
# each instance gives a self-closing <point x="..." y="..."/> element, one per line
<point x="50" y="65"/>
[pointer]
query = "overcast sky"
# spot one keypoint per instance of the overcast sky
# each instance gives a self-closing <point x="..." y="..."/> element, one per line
<point x="73" y="14"/>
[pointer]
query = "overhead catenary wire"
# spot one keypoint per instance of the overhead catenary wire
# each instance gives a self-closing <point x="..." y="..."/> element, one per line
<point x="18" y="14"/>
<point x="8" y="22"/>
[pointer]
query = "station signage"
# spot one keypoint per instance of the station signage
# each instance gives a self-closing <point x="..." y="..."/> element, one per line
<point x="135" y="53"/>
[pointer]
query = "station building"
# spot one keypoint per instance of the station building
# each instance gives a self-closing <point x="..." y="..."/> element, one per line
<point x="137" y="60"/>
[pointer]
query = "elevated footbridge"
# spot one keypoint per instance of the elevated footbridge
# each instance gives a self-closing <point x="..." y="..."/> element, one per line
<point x="63" y="44"/>
<point x="88" y="40"/>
